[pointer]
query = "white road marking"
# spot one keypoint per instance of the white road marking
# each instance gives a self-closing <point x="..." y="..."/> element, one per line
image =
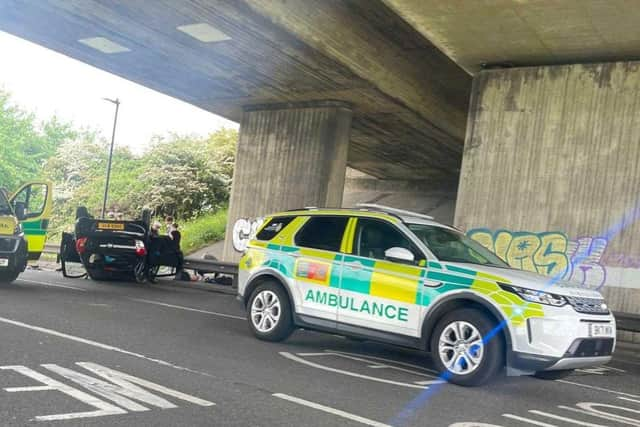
<point x="53" y="285"/>
<point x="430" y="382"/>
<point x="382" y="359"/>
<point x="569" y="420"/>
<point x="347" y="373"/>
<point x="103" y="408"/>
<point x="102" y="346"/>
<point x="329" y="410"/>
<point x="180" y="307"/>
<point x="598" y="388"/>
<point x="528" y="420"/>
<point x="588" y="409"/>
<point x="367" y="359"/>
<point x="629" y="400"/>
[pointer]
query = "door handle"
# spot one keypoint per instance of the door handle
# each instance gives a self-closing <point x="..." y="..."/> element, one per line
<point x="431" y="283"/>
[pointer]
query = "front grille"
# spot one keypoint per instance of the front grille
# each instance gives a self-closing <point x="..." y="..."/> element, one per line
<point x="588" y="305"/>
<point x="8" y="245"/>
<point x="591" y="347"/>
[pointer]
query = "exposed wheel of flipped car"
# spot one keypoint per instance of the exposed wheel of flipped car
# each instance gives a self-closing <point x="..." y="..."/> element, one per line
<point x="553" y="375"/>
<point x="8" y="276"/>
<point x="460" y="351"/>
<point x="270" y="315"/>
<point x="140" y="272"/>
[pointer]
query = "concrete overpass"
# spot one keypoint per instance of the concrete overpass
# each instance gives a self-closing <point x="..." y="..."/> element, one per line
<point x="543" y="96"/>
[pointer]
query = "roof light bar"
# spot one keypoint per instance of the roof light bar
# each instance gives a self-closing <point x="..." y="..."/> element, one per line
<point x="387" y="209"/>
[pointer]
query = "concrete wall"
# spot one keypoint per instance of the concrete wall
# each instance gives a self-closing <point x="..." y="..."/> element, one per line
<point x="289" y="156"/>
<point x="427" y="197"/>
<point x="552" y="158"/>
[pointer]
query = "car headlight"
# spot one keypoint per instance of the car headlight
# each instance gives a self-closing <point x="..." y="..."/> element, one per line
<point x="533" y="295"/>
<point x="18" y="230"/>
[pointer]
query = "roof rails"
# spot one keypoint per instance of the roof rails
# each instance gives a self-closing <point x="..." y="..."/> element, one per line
<point x="387" y="209"/>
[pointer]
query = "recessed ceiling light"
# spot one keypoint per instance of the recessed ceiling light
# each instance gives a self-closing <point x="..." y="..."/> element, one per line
<point x="104" y="45"/>
<point x="204" y="32"/>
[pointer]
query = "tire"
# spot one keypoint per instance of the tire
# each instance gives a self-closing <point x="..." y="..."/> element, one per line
<point x="270" y="294"/>
<point x="553" y="375"/>
<point x="466" y="360"/>
<point x="8" y="276"/>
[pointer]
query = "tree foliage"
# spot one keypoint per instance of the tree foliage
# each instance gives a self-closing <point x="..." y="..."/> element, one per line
<point x="180" y="175"/>
<point x="26" y="144"/>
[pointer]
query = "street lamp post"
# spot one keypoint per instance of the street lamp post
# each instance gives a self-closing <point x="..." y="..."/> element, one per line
<point x="113" y="137"/>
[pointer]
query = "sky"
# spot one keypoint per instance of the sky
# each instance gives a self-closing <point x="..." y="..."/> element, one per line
<point x="48" y="83"/>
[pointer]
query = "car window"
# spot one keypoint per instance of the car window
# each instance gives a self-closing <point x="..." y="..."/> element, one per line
<point x="5" y="209"/>
<point x="322" y="232"/>
<point x="274" y="227"/>
<point x="374" y="237"/>
<point x="452" y="246"/>
<point x="34" y="198"/>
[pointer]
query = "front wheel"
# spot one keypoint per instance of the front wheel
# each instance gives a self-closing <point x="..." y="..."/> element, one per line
<point x="553" y="375"/>
<point x="461" y="351"/>
<point x="8" y="276"/>
<point x="270" y="314"/>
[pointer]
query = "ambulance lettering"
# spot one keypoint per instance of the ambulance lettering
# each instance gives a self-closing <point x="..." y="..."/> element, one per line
<point x="373" y="308"/>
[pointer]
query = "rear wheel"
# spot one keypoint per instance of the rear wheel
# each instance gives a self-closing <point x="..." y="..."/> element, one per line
<point x="270" y="314"/>
<point x="8" y="276"/>
<point x="553" y="375"/>
<point x="461" y="352"/>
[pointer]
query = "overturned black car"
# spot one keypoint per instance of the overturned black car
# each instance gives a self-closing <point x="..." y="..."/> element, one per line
<point x="111" y="249"/>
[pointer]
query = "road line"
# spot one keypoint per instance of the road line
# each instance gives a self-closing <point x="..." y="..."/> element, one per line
<point x="348" y="373"/>
<point x="527" y="420"/>
<point x="54" y="285"/>
<point x="409" y="365"/>
<point x="329" y="410"/>
<point x="390" y="366"/>
<point x="593" y="387"/>
<point x="569" y="420"/>
<point x="102" y="346"/>
<point x="629" y="400"/>
<point x="180" y="307"/>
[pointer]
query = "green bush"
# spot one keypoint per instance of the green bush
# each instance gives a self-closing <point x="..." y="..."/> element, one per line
<point x="203" y="231"/>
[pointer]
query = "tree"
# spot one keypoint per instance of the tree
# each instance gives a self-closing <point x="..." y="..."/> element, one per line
<point x="25" y="144"/>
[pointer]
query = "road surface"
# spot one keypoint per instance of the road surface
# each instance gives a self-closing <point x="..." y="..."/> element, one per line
<point x="74" y="352"/>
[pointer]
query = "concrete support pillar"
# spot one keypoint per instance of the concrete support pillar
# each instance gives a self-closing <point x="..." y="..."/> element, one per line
<point x="289" y="156"/>
<point x="550" y="177"/>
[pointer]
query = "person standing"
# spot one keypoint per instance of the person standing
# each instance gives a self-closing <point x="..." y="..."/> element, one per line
<point x="174" y="234"/>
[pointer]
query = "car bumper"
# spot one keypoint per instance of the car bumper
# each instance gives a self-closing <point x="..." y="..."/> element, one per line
<point x="562" y="339"/>
<point x="14" y="251"/>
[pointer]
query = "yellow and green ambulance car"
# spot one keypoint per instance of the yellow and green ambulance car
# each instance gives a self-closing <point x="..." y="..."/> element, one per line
<point x="24" y="219"/>
<point x="400" y="277"/>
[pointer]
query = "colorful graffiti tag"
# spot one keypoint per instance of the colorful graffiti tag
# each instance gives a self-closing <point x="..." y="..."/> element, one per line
<point x="549" y="253"/>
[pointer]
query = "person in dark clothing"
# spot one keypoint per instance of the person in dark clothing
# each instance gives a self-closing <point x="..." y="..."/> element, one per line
<point x="174" y="234"/>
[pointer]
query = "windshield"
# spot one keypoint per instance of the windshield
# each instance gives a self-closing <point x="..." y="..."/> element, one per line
<point x="451" y="246"/>
<point x="5" y="208"/>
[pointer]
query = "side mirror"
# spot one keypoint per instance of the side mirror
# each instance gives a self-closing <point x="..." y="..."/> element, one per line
<point x="399" y="255"/>
<point x="21" y="211"/>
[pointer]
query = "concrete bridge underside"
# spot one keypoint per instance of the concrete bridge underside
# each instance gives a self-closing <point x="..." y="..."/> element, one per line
<point x="396" y="89"/>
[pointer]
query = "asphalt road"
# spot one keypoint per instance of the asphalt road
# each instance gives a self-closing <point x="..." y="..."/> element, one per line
<point x="83" y="353"/>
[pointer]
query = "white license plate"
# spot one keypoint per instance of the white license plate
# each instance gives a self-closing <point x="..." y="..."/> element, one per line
<point x="4" y="262"/>
<point x="600" y="330"/>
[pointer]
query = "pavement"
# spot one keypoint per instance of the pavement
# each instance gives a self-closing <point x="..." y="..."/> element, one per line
<point x="75" y="352"/>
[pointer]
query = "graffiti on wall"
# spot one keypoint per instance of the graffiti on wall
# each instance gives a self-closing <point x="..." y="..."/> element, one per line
<point x="549" y="253"/>
<point x="244" y="230"/>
